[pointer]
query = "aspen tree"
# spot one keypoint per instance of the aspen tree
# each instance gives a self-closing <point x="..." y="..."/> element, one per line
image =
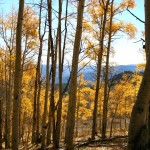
<point x="97" y="48"/>
<point x="106" y="96"/>
<point x="61" y="63"/>
<point x="37" y="90"/>
<point x="17" y="80"/>
<point x="52" y="124"/>
<point x="44" y="125"/>
<point x="73" y="84"/>
<point x="99" y="65"/>
<point x="138" y="130"/>
<point x="1" y="131"/>
<point x="59" y="110"/>
<point x="1" y="97"/>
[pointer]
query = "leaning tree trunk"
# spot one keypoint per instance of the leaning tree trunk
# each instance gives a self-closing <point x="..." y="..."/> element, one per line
<point x="17" y="80"/>
<point x="73" y="84"/>
<point x="138" y="129"/>
<point x="106" y="94"/>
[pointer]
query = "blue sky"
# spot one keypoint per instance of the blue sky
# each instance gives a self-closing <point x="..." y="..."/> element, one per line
<point x="6" y="5"/>
<point x="127" y="52"/>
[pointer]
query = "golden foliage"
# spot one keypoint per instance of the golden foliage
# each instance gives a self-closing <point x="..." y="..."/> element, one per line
<point x="127" y="4"/>
<point x="140" y="67"/>
<point x="30" y="23"/>
<point x="116" y="26"/>
<point x="130" y="30"/>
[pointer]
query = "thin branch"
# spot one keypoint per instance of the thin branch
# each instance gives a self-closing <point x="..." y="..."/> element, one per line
<point x="135" y="16"/>
<point x="139" y="40"/>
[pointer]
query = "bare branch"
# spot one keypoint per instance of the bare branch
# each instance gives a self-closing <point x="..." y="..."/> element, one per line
<point x="135" y="16"/>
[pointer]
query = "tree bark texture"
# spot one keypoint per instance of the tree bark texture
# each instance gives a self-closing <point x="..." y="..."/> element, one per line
<point x="73" y="84"/>
<point x="138" y="129"/>
<point x="17" y="80"/>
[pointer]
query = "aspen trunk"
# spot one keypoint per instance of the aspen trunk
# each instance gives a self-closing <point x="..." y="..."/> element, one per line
<point x="138" y="131"/>
<point x="99" y="66"/>
<point x="1" y="106"/>
<point x="8" y="105"/>
<point x="17" y="80"/>
<point x="65" y="36"/>
<point x="106" y="96"/>
<point x="77" y="112"/>
<point x="59" y="111"/>
<point x="112" y="120"/>
<point x="1" y="137"/>
<point x="36" y="97"/>
<point x="34" y="112"/>
<point x="6" y="97"/>
<point x="36" y="109"/>
<point x="44" y="124"/>
<point x="138" y="122"/>
<point x="73" y="84"/>
<point x="53" y="75"/>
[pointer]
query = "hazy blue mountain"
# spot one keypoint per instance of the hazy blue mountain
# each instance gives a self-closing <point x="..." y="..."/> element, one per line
<point x="122" y="68"/>
<point x="89" y="71"/>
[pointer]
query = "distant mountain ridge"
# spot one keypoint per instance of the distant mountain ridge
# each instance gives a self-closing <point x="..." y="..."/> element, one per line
<point x="89" y="71"/>
<point x="122" y="68"/>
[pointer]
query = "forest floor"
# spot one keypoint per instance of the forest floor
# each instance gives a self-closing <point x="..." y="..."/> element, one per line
<point x="114" y="143"/>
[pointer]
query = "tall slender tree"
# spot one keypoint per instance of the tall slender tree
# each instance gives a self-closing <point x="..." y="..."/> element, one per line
<point x="105" y="103"/>
<point x="52" y="124"/>
<point x="37" y="90"/>
<point x="73" y="84"/>
<point x="99" y="65"/>
<point x="44" y="124"/>
<point x="59" y="110"/>
<point x="1" y="131"/>
<point x="17" y="80"/>
<point x="1" y="101"/>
